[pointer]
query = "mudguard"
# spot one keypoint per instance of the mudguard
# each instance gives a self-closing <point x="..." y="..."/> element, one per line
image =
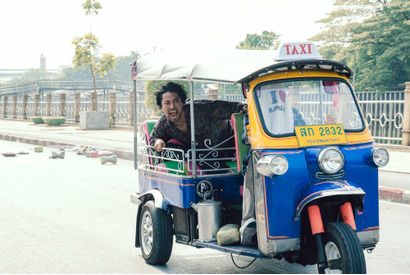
<point x="153" y="194"/>
<point x="139" y="200"/>
<point x="326" y="189"/>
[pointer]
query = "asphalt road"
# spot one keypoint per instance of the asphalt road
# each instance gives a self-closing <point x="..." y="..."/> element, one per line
<point x="73" y="215"/>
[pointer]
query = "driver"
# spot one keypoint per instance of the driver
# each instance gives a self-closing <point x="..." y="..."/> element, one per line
<point x="212" y="126"/>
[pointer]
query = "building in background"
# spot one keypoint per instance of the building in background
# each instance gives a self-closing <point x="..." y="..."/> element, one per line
<point x="9" y="74"/>
<point x="42" y="62"/>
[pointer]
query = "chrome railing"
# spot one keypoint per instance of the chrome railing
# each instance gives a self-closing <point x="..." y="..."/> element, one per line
<point x="212" y="159"/>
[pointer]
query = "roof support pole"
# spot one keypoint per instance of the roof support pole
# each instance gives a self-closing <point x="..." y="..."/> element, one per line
<point x="134" y="91"/>
<point x="193" y="142"/>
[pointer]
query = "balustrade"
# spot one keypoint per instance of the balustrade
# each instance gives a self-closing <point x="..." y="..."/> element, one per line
<point x="388" y="114"/>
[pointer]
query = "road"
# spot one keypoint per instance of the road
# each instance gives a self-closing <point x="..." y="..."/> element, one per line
<point x="73" y="215"/>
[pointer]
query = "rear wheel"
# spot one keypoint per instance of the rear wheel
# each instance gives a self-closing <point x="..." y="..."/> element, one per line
<point x="344" y="252"/>
<point x="156" y="235"/>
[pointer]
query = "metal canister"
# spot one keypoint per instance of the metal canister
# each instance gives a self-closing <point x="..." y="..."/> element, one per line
<point x="209" y="219"/>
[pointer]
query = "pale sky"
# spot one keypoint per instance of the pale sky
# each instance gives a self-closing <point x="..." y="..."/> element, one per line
<point x="30" y="28"/>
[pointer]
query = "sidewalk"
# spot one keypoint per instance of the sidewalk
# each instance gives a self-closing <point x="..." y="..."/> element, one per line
<point x="120" y="142"/>
<point x="117" y="140"/>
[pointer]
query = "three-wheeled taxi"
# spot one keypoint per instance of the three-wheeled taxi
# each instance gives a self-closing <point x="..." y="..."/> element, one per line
<point x="314" y="164"/>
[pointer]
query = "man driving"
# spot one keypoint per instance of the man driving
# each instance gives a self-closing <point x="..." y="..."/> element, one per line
<point x="212" y="126"/>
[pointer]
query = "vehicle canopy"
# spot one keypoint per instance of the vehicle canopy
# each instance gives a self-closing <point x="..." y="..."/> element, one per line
<point x="232" y="66"/>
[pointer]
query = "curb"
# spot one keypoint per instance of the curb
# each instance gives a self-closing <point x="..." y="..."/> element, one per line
<point x="392" y="147"/>
<point x="127" y="155"/>
<point x="391" y="194"/>
<point x="34" y="141"/>
<point x="393" y="171"/>
<point x="385" y="193"/>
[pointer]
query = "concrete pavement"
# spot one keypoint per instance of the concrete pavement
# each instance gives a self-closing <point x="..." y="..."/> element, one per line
<point x="117" y="140"/>
<point x="120" y="142"/>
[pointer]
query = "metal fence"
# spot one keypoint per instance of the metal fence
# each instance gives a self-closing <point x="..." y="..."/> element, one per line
<point x="384" y="113"/>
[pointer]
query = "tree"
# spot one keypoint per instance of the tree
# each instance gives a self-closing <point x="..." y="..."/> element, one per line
<point x="372" y="37"/>
<point x="265" y="41"/>
<point x="33" y="75"/>
<point x="122" y="66"/>
<point x="86" y="56"/>
<point x="340" y="23"/>
<point x="381" y="45"/>
<point x="87" y="49"/>
<point x="91" y="7"/>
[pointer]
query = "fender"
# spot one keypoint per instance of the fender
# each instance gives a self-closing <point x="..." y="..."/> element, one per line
<point x="139" y="200"/>
<point x="326" y="189"/>
<point x="153" y="194"/>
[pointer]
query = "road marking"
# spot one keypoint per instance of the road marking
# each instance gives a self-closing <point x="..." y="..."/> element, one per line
<point x="395" y="203"/>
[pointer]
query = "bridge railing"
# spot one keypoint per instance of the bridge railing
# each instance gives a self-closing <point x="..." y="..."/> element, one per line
<point x="54" y="85"/>
<point x="120" y="108"/>
<point x="388" y="114"/>
<point x="384" y="114"/>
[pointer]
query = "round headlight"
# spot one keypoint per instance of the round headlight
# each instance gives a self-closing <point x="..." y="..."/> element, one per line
<point x="380" y="157"/>
<point x="330" y="160"/>
<point x="272" y="165"/>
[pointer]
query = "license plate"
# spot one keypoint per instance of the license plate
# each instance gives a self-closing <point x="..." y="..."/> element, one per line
<point x="317" y="135"/>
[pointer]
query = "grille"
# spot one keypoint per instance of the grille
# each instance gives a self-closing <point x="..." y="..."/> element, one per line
<point x="323" y="176"/>
<point x="184" y="224"/>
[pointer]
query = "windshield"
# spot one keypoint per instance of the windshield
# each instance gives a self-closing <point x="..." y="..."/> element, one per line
<point x="284" y="105"/>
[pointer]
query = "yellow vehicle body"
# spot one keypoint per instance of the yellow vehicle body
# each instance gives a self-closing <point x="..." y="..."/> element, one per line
<point x="261" y="140"/>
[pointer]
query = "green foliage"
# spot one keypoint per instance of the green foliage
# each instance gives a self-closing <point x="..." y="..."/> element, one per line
<point x="86" y="56"/>
<point x="382" y="44"/>
<point x="372" y="36"/>
<point x="75" y="75"/>
<point x="91" y="7"/>
<point x="229" y="88"/>
<point x="33" y="75"/>
<point x="86" y="51"/>
<point x="265" y="41"/>
<point x="105" y="64"/>
<point x="122" y="70"/>
<point x="340" y="23"/>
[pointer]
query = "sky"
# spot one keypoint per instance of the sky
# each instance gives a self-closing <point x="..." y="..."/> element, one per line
<point x="30" y="28"/>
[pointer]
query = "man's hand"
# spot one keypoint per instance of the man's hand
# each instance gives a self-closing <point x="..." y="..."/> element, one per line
<point x="159" y="145"/>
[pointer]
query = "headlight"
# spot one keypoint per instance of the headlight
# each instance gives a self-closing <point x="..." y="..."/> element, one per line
<point x="272" y="165"/>
<point x="330" y="160"/>
<point x="380" y="157"/>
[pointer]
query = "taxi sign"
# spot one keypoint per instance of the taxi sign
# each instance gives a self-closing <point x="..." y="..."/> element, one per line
<point x="297" y="50"/>
<point x="316" y="135"/>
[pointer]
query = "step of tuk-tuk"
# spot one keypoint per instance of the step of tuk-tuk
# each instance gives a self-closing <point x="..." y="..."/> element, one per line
<point x="251" y="251"/>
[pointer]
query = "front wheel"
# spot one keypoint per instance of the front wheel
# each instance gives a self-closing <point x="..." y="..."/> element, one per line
<point x="156" y="235"/>
<point x="344" y="252"/>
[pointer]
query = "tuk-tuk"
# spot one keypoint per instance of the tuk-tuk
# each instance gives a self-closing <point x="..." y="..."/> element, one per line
<point x="314" y="164"/>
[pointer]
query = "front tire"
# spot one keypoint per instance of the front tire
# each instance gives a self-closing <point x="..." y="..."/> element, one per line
<point x="344" y="252"/>
<point x="156" y="234"/>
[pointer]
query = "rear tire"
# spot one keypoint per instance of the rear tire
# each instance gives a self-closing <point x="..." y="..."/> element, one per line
<point x="156" y="234"/>
<point x="343" y="249"/>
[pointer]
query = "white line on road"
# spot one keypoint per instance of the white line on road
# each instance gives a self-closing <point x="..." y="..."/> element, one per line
<point x="394" y="203"/>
